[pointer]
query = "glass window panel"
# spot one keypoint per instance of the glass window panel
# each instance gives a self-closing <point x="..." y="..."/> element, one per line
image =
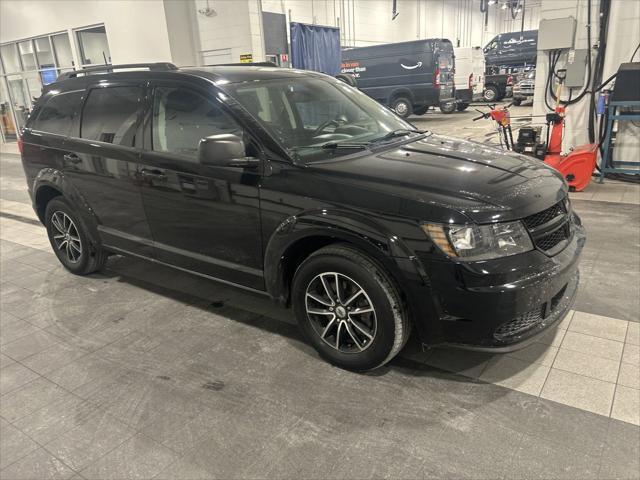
<point x="111" y="115"/>
<point x="57" y="113"/>
<point x="44" y="53"/>
<point x="19" y="99"/>
<point x="33" y="86"/>
<point x="26" y="54"/>
<point x="10" y="58"/>
<point x="181" y="118"/>
<point x="94" y="47"/>
<point x="62" y="47"/>
<point x="7" y="122"/>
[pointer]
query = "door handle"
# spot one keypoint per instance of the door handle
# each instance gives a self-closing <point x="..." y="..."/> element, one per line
<point x="153" y="174"/>
<point x="72" y="158"/>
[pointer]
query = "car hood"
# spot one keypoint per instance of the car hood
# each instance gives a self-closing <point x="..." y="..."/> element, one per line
<point x="483" y="183"/>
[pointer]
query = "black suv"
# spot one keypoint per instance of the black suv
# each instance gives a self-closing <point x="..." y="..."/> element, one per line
<point x="295" y="185"/>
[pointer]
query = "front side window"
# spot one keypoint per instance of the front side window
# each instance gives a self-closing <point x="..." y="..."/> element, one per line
<point x="182" y="117"/>
<point x="306" y="115"/>
<point x="111" y="115"/>
<point x="57" y="114"/>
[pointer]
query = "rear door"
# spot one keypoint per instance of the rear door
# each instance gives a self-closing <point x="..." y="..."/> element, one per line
<point x="446" y="69"/>
<point x="102" y="164"/>
<point x="203" y="218"/>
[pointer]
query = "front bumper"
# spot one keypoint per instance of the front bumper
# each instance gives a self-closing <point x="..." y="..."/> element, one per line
<point x="503" y="304"/>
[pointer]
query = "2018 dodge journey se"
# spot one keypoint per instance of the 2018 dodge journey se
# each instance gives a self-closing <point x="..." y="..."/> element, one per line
<point x="296" y="185"/>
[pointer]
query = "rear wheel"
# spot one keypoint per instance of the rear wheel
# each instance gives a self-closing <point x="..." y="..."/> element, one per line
<point x="402" y="106"/>
<point x="461" y="107"/>
<point x="448" y="107"/>
<point x="69" y="239"/>
<point x="349" y="309"/>
<point x="491" y="94"/>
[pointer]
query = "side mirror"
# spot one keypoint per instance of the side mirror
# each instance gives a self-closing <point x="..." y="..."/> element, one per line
<point x="225" y="150"/>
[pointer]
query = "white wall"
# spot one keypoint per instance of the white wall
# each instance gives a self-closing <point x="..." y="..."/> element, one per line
<point x="623" y="38"/>
<point x="136" y="29"/>
<point x="368" y="22"/>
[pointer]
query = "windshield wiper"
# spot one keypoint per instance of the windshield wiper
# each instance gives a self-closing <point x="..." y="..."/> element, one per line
<point x="334" y="146"/>
<point x="400" y="132"/>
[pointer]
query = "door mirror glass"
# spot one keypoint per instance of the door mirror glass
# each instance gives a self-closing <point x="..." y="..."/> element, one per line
<point x="224" y="150"/>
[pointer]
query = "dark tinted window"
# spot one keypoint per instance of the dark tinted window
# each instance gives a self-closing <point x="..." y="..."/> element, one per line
<point x="110" y="115"/>
<point x="181" y="117"/>
<point x="57" y="113"/>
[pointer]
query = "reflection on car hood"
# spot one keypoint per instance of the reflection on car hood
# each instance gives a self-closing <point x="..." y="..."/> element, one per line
<point x="482" y="182"/>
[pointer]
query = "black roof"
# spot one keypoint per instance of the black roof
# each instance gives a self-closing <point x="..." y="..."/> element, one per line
<point x="217" y="73"/>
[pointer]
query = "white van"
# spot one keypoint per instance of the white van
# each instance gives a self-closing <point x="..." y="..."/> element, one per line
<point x="469" y="76"/>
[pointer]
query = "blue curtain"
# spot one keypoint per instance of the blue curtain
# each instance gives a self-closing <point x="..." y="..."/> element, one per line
<point x="315" y="47"/>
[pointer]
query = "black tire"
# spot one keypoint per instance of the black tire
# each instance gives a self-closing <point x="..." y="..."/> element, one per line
<point x="461" y="107"/>
<point x="420" y="110"/>
<point x="448" y="107"/>
<point x="402" y="106"/>
<point x="388" y="322"/>
<point x="88" y="258"/>
<point x="517" y="102"/>
<point x="347" y="78"/>
<point x="491" y="94"/>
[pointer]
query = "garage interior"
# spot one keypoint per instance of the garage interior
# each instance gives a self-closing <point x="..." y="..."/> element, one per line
<point x="143" y="371"/>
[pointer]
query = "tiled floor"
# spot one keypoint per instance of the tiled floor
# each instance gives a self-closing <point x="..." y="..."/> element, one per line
<point x="138" y="372"/>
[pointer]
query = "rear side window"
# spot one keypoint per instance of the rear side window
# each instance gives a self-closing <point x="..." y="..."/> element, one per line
<point x="181" y="117"/>
<point x="57" y="114"/>
<point x="111" y="115"/>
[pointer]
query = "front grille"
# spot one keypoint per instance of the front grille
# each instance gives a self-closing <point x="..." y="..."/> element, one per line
<point x="550" y="227"/>
<point x="519" y="324"/>
<point x="549" y="241"/>
<point x="540" y="218"/>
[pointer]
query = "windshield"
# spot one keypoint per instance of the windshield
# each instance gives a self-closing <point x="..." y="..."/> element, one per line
<point x="316" y="118"/>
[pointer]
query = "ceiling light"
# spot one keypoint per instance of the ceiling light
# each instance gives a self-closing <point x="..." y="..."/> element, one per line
<point x="492" y="2"/>
<point x="504" y="6"/>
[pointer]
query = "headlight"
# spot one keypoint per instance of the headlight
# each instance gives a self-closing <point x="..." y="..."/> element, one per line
<point x="480" y="242"/>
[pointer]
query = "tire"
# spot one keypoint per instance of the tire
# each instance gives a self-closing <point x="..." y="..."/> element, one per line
<point x="517" y="102"/>
<point x="402" y="106"/>
<point x="347" y="78"/>
<point x="377" y="336"/>
<point x="491" y="94"/>
<point x="74" y="250"/>
<point x="420" y="110"/>
<point x="461" y="107"/>
<point x="448" y="107"/>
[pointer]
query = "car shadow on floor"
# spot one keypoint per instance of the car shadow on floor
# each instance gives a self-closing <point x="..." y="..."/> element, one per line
<point x="262" y="313"/>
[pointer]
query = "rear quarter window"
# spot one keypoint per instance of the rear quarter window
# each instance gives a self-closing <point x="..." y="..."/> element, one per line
<point x="56" y="115"/>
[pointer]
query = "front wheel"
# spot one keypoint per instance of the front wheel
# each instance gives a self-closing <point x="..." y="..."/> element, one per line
<point x="349" y="309"/>
<point x="69" y="239"/>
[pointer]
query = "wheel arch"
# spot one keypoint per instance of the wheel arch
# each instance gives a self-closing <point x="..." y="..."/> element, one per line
<point x="51" y="183"/>
<point x="401" y="92"/>
<point x="299" y="236"/>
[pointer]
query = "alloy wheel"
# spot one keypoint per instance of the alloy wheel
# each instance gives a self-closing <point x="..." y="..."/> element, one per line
<point x="66" y="237"/>
<point x="341" y="312"/>
<point x="402" y="108"/>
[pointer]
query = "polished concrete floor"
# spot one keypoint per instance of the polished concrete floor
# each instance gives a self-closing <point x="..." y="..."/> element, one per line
<point x="144" y="372"/>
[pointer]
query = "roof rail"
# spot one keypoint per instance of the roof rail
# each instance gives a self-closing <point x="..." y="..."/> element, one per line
<point x="158" y="66"/>
<point x="244" y="64"/>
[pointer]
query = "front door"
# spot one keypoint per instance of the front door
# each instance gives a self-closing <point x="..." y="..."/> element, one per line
<point x="204" y="218"/>
<point x="101" y="163"/>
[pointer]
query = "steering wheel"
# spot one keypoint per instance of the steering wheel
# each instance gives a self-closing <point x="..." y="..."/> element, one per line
<point x="339" y="120"/>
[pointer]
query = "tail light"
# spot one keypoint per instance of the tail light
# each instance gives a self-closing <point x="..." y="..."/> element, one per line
<point x="470" y="80"/>
<point x="436" y="78"/>
<point x="510" y="80"/>
<point x="20" y="145"/>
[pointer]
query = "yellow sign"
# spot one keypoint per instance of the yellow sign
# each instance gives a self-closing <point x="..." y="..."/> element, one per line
<point x="246" y="58"/>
